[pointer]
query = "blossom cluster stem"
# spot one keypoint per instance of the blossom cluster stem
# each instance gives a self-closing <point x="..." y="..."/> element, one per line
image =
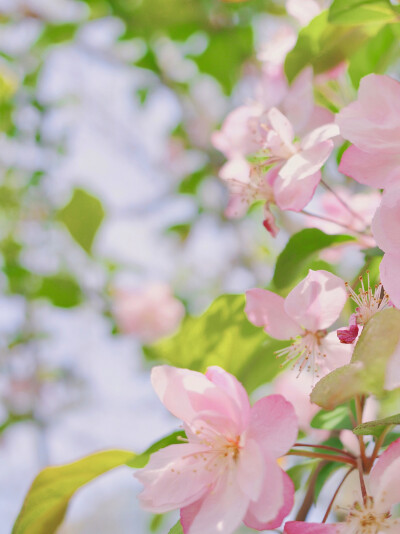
<point x="342" y="202"/>
<point x="325" y="447"/>
<point x="359" y="411"/>
<point x="330" y="457"/>
<point x="328" y="510"/>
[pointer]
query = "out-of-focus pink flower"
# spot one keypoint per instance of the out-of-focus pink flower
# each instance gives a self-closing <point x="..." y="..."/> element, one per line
<point x="372" y="124"/>
<point x="386" y="231"/>
<point x="375" y="512"/>
<point x="363" y="206"/>
<point x="148" y="313"/>
<point x="309" y="309"/>
<point x="305" y="10"/>
<point x="227" y="472"/>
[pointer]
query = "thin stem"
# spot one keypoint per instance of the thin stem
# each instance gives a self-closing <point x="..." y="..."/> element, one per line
<point x="328" y="510"/>
<point x="362" y="483"/>
<point x="378" y="445"/>
<point x="359" y="411"/>
<point x="321" y="456"/>
<point x="342" y="202"/>
<point x="333" y="221"/>
<point x="309" y="496"/>
<point x="325" y="447"/>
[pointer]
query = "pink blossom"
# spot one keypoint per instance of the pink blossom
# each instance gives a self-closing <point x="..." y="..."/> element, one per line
<point x="148" y="313"/>
<point x="373" y="515"/>
<point x="285" y="172"/>
<point x="372" y="124"/>
<point x="309" y="309"/>
<point x="227" y="471"/>
<point x="386" y="231"/>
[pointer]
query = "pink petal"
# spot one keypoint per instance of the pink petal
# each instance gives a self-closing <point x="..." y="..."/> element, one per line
<point x="251" y="519"/>
<point x="235" y="137"/>
<point x="301" y="90"/>
<point x="192" y="397"/>
<point x="173" y="385"/>
<point x="272" y="496"/>
<point x="294" y="195"/>
<point x="233" y="389"/>
<point x="372" y="169"/>
<point x="281" y="125"/>
<point x="389" y="270"/>
<point x="174" y="477"/>
<point x="384" y="478"/>
<point x="320" y="135"/>
<point x="386" y="221"/>
<point x="372" y="122"/>
<point x="317" y="301"/>
<point x="336" y="354"/>
<point x="250" y="469"/>
<point x="264" y="308"/>
<point x="300" y="175"/>
<point x="220" y="511"/>
<point x="300" y="527"/>
<point x="273" y="424"/>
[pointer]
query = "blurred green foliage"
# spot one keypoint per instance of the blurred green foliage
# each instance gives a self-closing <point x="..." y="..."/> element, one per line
<point x="222" y="336"/>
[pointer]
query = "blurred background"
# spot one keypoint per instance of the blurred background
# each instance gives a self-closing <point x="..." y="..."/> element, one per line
<point x="112" y="222"/>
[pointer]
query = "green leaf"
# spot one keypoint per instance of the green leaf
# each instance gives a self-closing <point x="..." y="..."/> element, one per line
<point x="57" y="33"/>
<point x="45" y="505"/>
<point x="140" y="460"/>
<point x="336" y="419"/>
<point x="297" y="473"/>
<point x="361" y="11"/>
<point x="299" y="250"/>
<point x="61" y="289"/>
<point x="47" y="501"/>
<point x="222" y="336"/>
<point x="176" y="529"/>
<point x="324" y="45"/>
<point x="82" y="216"/>
<point x="366" y="372"/>
<point x="222" y="64"/>
<point x="374" y="428"/>
<point x="374" y="55"/>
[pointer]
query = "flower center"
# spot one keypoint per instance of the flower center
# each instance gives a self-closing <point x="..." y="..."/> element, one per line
<point x="369" y="302"/>
<point x="306" y="350"/>
<point x="365" y="519"/>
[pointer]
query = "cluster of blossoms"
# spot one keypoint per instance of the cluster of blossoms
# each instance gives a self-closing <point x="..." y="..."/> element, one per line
<point x="229" y="471"/>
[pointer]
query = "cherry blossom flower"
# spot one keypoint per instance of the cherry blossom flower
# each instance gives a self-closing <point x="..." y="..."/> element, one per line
<point x="373" y="515"/>
<point x="285" y="172"/>
<point x="304" y="316"/>
<point x="148" y="313"/>
<point x="386" y="231"/>
<point x="372" y="124"/>
<point x="369" y="302"/>
<point x="227" y="472"/>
